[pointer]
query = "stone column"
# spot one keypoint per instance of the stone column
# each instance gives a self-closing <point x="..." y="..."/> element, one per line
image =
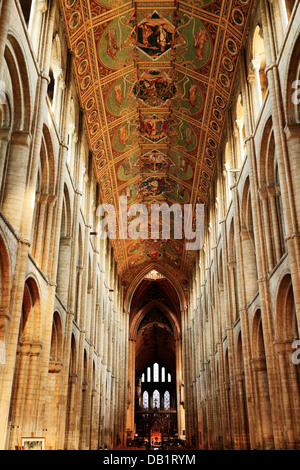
<point x="16" y="179"/>
<point x="272" y="192"/>
<point x="63" y="270"/>
<point x="283" y="158"/>
<point x="256" y="67"/>
<point x="242" y="410"/>
<point x="292" y="132"/>
<point x="260" y="368"/>
<point x="39" y="242"/>
<point x="283" y="353"/>
<point x="283" y="13"/>
<point x="5" y="137"/>
<point x="19" y="390"/>
<point x="5" y="15"/>
<point x="31" y="400"/>
<point x="46" y="264"/>
<point x="268" y="238"/>
<point x="240" y="126"/>
<point x="38" y="8"/>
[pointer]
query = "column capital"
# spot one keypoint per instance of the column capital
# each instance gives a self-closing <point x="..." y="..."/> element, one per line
<point x="256" y="64"/>
<point x="41" y="6"/>
<point x="4" y="316"/>
<point x="36" y="349"/>
<point x="43" y="198"/>
<point x="25" y="348"/>
<point x="259" y="363"/>
<point x="5" y="134"/>
<point x="292" y="131"/>
<point x="22" y="138"/>
<point x="263" y="193"/>
<point x="52" y="201"/>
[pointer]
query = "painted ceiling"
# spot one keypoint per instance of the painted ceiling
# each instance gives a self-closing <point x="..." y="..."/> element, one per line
<point x="155" y="79"/>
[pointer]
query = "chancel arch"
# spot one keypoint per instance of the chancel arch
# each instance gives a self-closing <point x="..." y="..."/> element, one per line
<point x="155" y="413"/>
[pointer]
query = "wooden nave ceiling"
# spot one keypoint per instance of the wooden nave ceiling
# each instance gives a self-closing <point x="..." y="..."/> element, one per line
<point x="155" y="79"/>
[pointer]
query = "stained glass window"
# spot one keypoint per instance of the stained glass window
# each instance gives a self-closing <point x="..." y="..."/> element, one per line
<point x="163" y="374"/>
<point x="145" y="400"/>
<point x="155" y="373"/>
<point x="148" y="374"/>
<point x="156" y="399"/>
<point x="169" y="378"/>
<point x="143" y="377"/>
<point x="167" y="400"/>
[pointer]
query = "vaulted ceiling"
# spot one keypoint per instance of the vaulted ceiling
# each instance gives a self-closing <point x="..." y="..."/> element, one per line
<point x="155" y="79"/>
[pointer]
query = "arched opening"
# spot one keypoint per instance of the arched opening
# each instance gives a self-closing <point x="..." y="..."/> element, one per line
<point x="5" y="266"/>
<point x="287" y="332"/>
<point x="233" y="281"/>
<point x="242" y="397"/>
<point x="155" y="414"/>
<point x="70" y="429"/>
<point x="43" y="199"/>
<point x="78" y="280"/>
<point x="84" y="437"/>
<point x="248" y="242"/>
<point x="271" y="199"/>
<point x="24" y="400"/>
<point x="26" y="9"/>
<point x="64" y="259"/>
<point x="258" y="65"/>
<point x="15" y="156"/>
<point x="55" y="86"/>
<point x="259" y="362"/>
<point x="240" y="131"/>
<point x="229" y="404"/>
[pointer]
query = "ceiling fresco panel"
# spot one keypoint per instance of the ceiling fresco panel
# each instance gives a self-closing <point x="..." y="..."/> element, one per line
<point x="155" y="79"/>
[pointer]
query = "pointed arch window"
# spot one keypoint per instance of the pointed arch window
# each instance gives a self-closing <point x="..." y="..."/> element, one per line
<point x="155" y="372"/>
<point x="169" y="378"/>
<point x="156" y="399"/>
<point x="145" y="400"/>
<point x="163" y="374"/>
<point x="167" y="400"/>
<point x="148" y="374"/>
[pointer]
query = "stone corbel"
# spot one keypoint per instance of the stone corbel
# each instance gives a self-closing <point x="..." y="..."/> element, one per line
<point x="21" y="138"/>
<point x="5" y="134"/>
<point x="25" y="348"/>
<point x="36" y="349"/>
<point x="244" y="234"/>
<point x="281" y="346"/>
<point x="292" y="131"/>
<point x="4" y="317"/>
<point x="259" y="363"/>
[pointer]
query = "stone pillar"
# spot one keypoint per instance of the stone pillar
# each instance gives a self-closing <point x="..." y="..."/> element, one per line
<point x="283" y="13"/>
<point x="272" y="192"/>
<point x="292" y="132"/>
<point x="260" y="368"/>
<point x="16" y="179"/>
<point x="19" y="390"/>
<point x="256" y="67"/>
<point x="131" y="386"/>
<point x="5" y="137"/>
<point x="290" y="426"/>
<point x="63" y="270"/>
<point x="38" y="8"/>
<point x="47" y="241"/>
<point x="39" y="242"/>
<point x="283" y="157"/>
<point x="249" y="261"/>
<point x="4" y="25"/>
<point x="32" y="380"/>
